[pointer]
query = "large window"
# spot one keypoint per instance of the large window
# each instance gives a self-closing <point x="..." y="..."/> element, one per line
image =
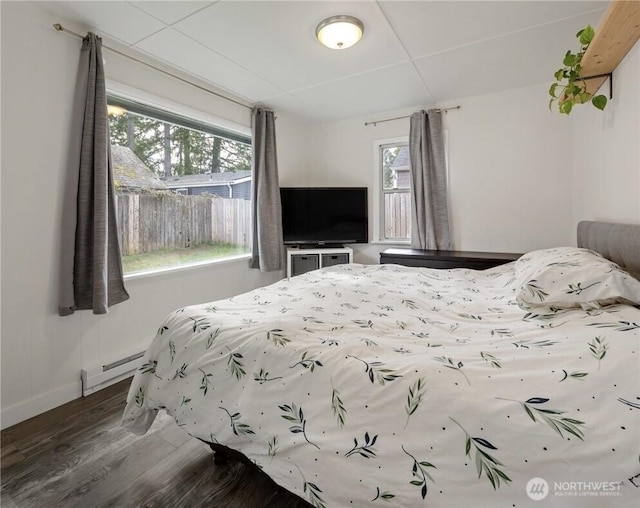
<point x="394" y="176"/>
<point x="183" y="188"/>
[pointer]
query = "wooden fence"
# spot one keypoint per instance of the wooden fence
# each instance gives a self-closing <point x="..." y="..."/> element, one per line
<point x="397" y="215"/>
<point x="150" y="222"/>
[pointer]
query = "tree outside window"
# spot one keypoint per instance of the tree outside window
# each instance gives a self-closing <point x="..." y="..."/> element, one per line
<point x="172" y="150"/>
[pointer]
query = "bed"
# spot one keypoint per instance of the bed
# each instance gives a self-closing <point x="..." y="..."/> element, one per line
<point x="386" y="385"/>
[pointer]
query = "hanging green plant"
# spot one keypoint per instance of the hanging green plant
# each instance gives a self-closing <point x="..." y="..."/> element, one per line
<point x="570" y="87"/>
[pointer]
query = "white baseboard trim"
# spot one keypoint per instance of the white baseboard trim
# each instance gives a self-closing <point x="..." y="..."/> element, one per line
<point x="92" y="379"/>
<point x="35" y="406"/>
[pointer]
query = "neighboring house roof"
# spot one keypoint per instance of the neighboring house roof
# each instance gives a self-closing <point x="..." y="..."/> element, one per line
<point x="401" y="162"/>
<point x="208" y="179"/>
<point x="130" y="173"/>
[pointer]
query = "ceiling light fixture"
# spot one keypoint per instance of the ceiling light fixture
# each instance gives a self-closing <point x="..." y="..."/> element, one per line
<point x="339" y="32"/>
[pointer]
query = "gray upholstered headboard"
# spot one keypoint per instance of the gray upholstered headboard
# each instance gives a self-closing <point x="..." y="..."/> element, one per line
<point x="618" y="242"/>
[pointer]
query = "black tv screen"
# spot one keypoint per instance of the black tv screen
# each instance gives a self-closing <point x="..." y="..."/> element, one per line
<point x="324" y="215"/>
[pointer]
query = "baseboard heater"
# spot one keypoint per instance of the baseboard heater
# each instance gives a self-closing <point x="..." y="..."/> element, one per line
<point x="97" y="377"/>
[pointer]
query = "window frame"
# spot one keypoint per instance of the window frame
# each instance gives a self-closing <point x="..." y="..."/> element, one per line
<point x="219" y="126"/>
<point x="180" y="120"/>
<point x="179" y="109"/>
<point x="379" y="191"/>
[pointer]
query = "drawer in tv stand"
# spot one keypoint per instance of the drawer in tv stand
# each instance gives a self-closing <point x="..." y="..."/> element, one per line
<point x="301" y="260"/>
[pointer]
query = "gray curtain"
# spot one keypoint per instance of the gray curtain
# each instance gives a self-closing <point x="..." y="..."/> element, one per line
<point x="268" y="249"/>
<point x="429" y="209"/>
<point x="91" y="275"/>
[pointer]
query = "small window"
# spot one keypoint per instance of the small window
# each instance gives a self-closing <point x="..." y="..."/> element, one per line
<point x="394" y="175"/>
<point x="169" y="174"/>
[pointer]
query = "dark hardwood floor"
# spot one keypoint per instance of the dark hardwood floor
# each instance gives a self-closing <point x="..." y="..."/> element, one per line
<point x="77" y="455"/>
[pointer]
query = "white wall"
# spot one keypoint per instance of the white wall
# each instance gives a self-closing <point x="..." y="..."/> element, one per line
<point x="42" y="353"/>
<point x="606" y="150"/>
<point x="510" y="173"/>
<point x="509" y="168"/>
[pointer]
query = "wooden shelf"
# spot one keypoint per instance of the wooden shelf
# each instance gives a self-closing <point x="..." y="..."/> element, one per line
<point x="615" y="36"/>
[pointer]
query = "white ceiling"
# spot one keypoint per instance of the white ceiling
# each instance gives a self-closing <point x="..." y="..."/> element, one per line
<point x="413" y="53"/>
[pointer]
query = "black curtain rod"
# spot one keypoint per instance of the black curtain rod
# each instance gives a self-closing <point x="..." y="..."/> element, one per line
<point x="374" y="123"/>
<point x="60" y="28"/>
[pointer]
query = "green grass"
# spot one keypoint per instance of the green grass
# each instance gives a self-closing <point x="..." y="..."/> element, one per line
<point x="159" y="259"/>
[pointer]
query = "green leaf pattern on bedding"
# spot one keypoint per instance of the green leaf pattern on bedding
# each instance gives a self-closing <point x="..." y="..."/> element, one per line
<point x="419" y="473"/>
<point x="237" y="426"/>
<point x="338" y="407"/>
<point x="294" y="414"/>
<point x="485" y="463"/>
<point x="598" y="348"/>
<point x="552" y="417"/>
<point x="391" y="385"/>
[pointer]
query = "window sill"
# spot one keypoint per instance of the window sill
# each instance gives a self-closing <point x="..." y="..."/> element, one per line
<point x="174" y="269"/>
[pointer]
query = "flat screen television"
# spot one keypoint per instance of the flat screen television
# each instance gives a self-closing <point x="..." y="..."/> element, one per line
<point x="324" y="215"/>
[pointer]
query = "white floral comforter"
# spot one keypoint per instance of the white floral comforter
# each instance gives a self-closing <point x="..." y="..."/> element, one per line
<point x="384" y="385"/>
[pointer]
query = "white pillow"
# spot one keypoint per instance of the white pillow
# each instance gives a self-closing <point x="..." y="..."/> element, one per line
<point x="568" y="277"/>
